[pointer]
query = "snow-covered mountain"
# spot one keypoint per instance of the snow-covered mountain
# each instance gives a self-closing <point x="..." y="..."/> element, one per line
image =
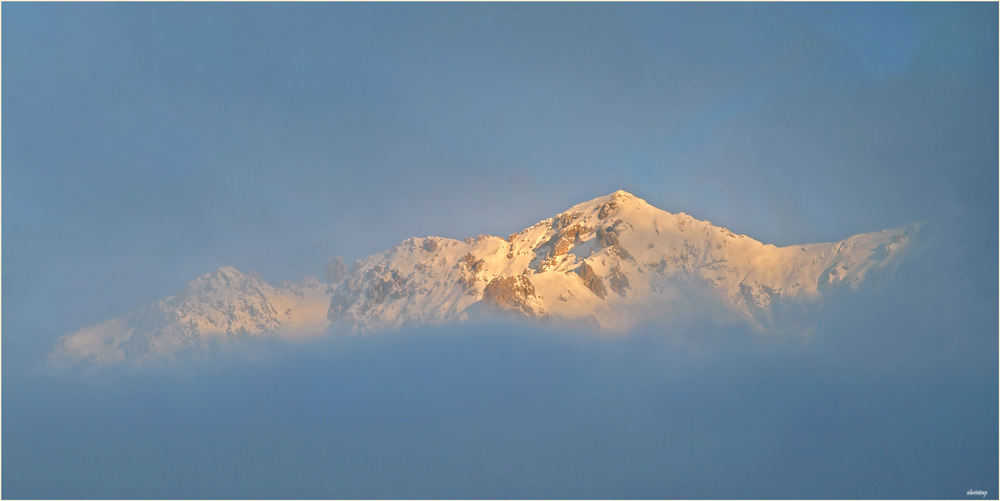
<point x="609" y="263"/>
<point x="222" y="305"/>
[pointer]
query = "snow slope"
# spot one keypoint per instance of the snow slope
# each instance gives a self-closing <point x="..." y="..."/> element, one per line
<point x="609" y="263"/>
<point x="222" y="305"/>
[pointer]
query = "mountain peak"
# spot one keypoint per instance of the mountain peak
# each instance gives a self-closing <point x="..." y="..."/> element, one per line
<point x="221" y="279"/>
<point x="227" y="271"/>
<point x="619" y="196"/>
<point x="622" y="194"/>
<point x="605" y="205"/>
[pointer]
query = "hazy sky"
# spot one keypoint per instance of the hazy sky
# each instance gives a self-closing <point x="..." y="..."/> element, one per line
<point x="146" y="144"/>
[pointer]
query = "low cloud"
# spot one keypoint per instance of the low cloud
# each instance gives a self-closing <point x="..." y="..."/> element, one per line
<point x="894" y="394"/>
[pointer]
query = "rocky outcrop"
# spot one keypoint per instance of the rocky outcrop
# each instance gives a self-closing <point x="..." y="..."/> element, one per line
<point x="471" y="263"/>
<point x="592" y="280"/>
<point x="564" y="244"/>
<point x="759" y="299"/>
<point x="336" y="271"/>
<point x="568" y="237"/>
<point x="618" y="281"/>
<point x="563" y="220"/>
<point x="567" y="232"/>
<point x="471" y="267"/>
<point x="621" y="253"/>
<point x="367" y="293"/>
<point x="607" y="236"/>
<point x="608" y="208"/>
<point x="511" y="295"/>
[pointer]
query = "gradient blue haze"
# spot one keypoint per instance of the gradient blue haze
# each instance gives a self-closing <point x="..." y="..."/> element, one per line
<point x="147" y="144"/>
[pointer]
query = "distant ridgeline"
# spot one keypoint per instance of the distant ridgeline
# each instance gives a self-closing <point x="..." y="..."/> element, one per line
<point x="611" y="263"/>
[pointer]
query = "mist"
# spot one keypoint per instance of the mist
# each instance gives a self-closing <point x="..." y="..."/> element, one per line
<point x="148" y="144"/>
<point x="893" y="395"/>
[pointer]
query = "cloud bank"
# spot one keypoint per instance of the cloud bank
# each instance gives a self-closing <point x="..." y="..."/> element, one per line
<point x="893" y="396"/>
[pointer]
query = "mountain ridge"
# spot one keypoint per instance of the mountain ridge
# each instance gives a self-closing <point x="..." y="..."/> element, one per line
<point x="612" y="263"/>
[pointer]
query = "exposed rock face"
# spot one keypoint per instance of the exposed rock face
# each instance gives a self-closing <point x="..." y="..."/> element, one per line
<point x="471" y="263"/>
<point x="336" y="271"/>
<point x="621" y="253"/>
<point x="367" y="292"/>
<point x="548" y="263"/>
<point x="618" y="281"/>
<point x="563" y="220"/>
<point x="591" y="280"/>
<point x="511" y="295"/>
<point x="563" y="245"/>
<point x="430" y="245"/>
<point x="608" y="208"/>
<point x="472" y="268"/>
<point x="568" y="237"/>
<point x="607" y="236"/>
<point x="758" y="299"/>
<point x="566" y="231"/>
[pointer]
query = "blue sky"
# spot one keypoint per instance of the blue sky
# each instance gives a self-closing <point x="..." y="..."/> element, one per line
<point x="146" y="144"/>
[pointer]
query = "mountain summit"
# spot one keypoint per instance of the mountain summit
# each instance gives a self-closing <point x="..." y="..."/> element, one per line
<point x="609" y="263"/>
